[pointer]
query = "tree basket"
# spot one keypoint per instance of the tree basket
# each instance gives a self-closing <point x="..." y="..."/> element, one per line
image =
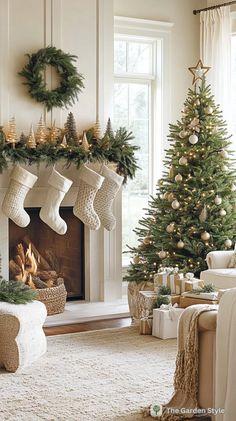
<point x="54" y="298"/>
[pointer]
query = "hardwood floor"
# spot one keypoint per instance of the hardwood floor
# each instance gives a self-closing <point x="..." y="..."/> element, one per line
<point x="84" y="327"/>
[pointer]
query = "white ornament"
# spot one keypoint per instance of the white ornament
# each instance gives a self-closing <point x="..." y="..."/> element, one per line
<point x="233" y="188"/>
<point x="228" y="243"/>
<point x="180" y="244"/>
<point x="223" y="153"/>
<point x="205" y="236"/>
<point x="222" y="212"/>
<point x="162" y="254"/>
<point x="224" y="168"/>
<point x="178" y="178"/>
<point x="183" y="160"/>
<point x="175" y="204"/>
<point x="209" y="110"/>
<point x="170" y="228"/>
<point x="193" y="139"/>
<point x="218" y="200"/>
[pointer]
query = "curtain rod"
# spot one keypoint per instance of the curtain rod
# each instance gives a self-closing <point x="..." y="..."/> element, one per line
<point x="195" y="12"/>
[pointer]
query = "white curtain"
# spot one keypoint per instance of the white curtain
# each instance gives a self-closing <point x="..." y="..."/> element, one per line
<point x="215" y="42"/>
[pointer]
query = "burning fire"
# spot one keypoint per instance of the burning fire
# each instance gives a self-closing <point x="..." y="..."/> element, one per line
<point x="29" y="268"/>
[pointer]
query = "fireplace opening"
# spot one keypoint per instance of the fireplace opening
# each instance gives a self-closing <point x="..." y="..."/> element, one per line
<point x="57" y="255"/>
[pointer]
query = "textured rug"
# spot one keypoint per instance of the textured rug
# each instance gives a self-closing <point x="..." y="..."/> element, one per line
<point x="101" y="375"/>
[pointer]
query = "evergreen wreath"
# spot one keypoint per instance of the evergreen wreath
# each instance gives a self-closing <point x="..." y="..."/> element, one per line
<point x="71" y="82"/>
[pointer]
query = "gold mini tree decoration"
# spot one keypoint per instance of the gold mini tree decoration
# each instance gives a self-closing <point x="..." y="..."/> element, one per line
<point x="84" y="143"/>
<point x="64" y="143"/>
<point x="97" y="131"/>
<point x="41" y="132"/>
<point x="31" y="142"/>
<point x="53" y="135"/>
<point x="11" y="135"/>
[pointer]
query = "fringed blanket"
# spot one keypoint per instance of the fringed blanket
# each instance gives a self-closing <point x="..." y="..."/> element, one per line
<point x="186" y="372"/>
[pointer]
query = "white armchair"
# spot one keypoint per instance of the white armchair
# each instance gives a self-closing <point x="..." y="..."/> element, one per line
<point x="218" y="272"/>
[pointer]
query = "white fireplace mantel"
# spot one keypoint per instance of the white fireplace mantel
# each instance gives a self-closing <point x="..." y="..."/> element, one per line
<point x="103" y="278"/>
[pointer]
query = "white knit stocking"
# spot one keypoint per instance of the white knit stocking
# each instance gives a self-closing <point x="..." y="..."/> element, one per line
<point x="49" y="213"/>
<point x="21" y="181"/>
<point x="89" y="183"/>
<point x="105" y="197"/>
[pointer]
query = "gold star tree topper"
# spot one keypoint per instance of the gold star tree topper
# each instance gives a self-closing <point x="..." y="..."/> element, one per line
<point x="198" y="71"/>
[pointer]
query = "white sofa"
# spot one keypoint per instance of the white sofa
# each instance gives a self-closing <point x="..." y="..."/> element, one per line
<point x="218" y="272"/>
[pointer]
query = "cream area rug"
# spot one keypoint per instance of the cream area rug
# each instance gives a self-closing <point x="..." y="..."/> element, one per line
<point x="101" y="375"/>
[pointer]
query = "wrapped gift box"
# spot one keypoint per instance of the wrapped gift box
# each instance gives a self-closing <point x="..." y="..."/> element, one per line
<point x="174" y="299"/>
<point x="146" y="302"/>
<point x="189" y="285"/>
<point x="165" y="322"/>
<point x="202" y="295"/>
<point x="172" y="280"/>
<point x="145" y="326"/>
<point x="189" y="301"/>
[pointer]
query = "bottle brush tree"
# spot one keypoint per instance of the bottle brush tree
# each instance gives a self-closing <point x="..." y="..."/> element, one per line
<point x="194" y="209"/>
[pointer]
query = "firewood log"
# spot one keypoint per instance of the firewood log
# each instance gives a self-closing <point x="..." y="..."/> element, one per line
<point x="44" y="275"/>
<point x="14" y="268"/>
<point x="20" y="251"/>
<point x="39" y="283"/>
<point x="43" y="264"/>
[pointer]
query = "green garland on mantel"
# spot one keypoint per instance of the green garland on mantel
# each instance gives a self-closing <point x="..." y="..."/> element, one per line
<point x="112" y="147"/>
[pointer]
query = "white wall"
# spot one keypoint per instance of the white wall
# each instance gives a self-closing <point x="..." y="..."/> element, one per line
<point x="75" y="26"/>
<point x="185" y="38"/>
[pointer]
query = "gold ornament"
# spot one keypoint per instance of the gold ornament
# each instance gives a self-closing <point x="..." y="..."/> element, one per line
<point x="31" y="142"/>
<point x="193" y="139"/>
<point x="208" y="110"/>
<point x="205" y="236"/>
<point x="223" y="153"/>
<point x="162" y="254"/>
<point x="183" y="134"/>
<point x="136" y="260"/>
<point x="170" y="228"/>
<point x="178" y="178"/>
<point x="53" y="135"/>
<point x="146" y="241"/>
<point x="41" y="132"/>
<point x="64" y="143"/>
<point x="166" y="195"/>
<point x="228" y="243"/>
<point x="175" y="204"/>
<point x="171" y="197"/>
<point x="180" y="244"/>
<point x="218" y="200"/>
<point x="198" y="71"/>
<point x="183" y="160"/>
<point x="11" y="134"/>
<point x="97" y="130"/>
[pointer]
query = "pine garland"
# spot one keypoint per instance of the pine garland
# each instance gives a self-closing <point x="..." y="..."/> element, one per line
<point x="71" y="82"/>
<point x="15" y="292"/>
<point x="114" y="148"/>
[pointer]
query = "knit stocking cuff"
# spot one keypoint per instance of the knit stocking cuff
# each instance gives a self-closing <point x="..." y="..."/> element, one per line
<point x="112" y="175"/>
<point x="90" y="177"/>
<point x="23" y="176"/>
<point x="59" y="181"/>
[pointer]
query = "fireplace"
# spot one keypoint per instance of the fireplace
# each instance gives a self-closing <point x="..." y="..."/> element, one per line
<point x="63" y="254"/>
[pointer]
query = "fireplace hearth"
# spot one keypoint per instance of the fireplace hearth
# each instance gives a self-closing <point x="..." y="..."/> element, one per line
<point x="48" y="255"/>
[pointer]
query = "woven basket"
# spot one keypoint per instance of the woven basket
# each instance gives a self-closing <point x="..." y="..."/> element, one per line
<point x="54" y="298"/>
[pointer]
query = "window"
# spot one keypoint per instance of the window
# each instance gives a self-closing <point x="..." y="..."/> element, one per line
<point x="133" y="93"/>
<point x="233" y="85"/>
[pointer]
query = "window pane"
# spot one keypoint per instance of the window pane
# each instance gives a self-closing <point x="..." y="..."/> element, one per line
<point x="233" y="82"/>
<point x="120" y="56"/>
<point x="132" y="111"/>
<point x="139" y="57"/>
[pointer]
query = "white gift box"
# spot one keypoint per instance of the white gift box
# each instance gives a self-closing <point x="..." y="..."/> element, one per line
<point x="165" y="322"/>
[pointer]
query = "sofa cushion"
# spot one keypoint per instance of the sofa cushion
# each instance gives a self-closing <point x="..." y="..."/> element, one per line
<point x="221" y="278"/>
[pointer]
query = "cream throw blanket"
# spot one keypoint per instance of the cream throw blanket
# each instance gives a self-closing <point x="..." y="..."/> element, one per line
<point x="186" y="372"/>
<point x="225" y="397"/>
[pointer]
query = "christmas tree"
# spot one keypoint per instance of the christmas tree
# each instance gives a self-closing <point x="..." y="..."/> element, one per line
<point x="194" y="210"/>
<point x="70" y="130"/>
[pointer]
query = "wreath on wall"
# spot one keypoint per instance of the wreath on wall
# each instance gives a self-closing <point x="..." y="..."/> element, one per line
<point x="71" y="82"/>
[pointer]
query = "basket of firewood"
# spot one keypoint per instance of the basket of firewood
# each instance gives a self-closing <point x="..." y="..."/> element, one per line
<point x="28" y="265"/>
